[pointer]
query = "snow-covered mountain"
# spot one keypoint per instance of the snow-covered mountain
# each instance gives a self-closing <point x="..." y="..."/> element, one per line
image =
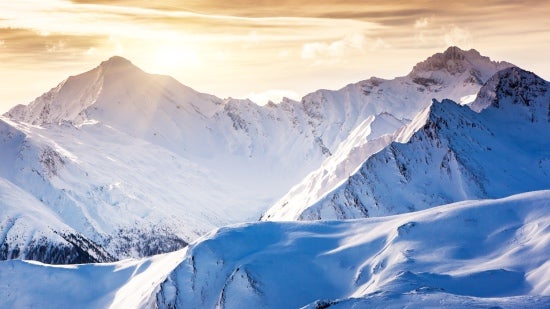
<point x="34" y="232"/>
<point x="139" y="164"/>
<point x="454" y="74"/>
<point x="476" y="252"/>
<point x="470" y="254"/>
<point x="118" y="163"/>
<point x="451" y="154"/>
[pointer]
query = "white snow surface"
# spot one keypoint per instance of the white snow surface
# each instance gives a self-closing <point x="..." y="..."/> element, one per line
<point x="469" y="254"/>
<point x="447" y="153"/>
<point x="124" y="284"/>
<point x="472" y="253"/>
<point x="25" y="220"/>
<point x="140" y="163"/>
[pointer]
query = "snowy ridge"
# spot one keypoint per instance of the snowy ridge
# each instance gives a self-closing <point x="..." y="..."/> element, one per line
<point x="455" y="155"/>
<point x="109" y="87"/>
<point x="469" y="254"/>
<point x="515" y="87"/>
<point x="29" y="229"/>
<point x="124" y="284"/>
<point x="106" y="204"/>
<point x="33" y="232"/>
<point x="475" y="252"/>
<point x="175" y="163"/>
<point x="389" y="105"/>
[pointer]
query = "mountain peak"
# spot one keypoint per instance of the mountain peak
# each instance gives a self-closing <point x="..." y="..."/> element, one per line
<point x="457" y="61"/>
<point x="454" y="52"/>
<point x="449" y="60"/>
<point x="514" y="87"/>
<point x="72" y="97"/>
<point x="116" y="61"/>
<point x="117" y="64"/>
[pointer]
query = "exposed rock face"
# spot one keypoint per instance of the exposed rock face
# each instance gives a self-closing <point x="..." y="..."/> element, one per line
<point x="515" y="87"/>
<point x="454" y="61"/>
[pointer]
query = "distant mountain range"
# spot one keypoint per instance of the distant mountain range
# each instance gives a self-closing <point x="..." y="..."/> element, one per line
<point x="129" y="164"/>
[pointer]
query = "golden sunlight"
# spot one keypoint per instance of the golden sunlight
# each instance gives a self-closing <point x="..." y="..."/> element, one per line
<point x="168" y="58"/>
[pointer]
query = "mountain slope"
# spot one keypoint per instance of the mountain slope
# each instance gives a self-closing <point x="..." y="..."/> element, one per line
<point x="475" y="252"/>
<point x="455" y="154"/>
<point x="140" y="164"/>
<point x="134" y="199"/>
<point x="124" y="284"/>
<point x="453" y="74"/>
<point x="241" y="134"/>
<point x="33" y="232"/>
<point x="469" y="254"/>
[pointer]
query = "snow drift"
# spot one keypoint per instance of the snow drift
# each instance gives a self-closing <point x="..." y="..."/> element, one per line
<point x="473" y="253"/>
<point x="492" y="252"/>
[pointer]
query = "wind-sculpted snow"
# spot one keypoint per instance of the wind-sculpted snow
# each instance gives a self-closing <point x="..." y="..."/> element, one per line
<point x="469" y="254"/>
<point x="125" y="284"/>
<point x="451" y="154"/>
<point x="475" y="253"/>
<point x="141" y="164"/>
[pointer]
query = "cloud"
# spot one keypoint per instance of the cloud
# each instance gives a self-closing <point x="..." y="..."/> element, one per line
<point x="422" y="23"/>
<point x="252" y="39"/>
<point x="285" y="53"/>
<point x="91" y="51"/>
<point x="23" y="45"/>
<point x="344" y="9"/>
<point x="422" y="29"/>
<point x="334" y="49"/>
<point x="57" y="46"/>
<point x="457" y="36"/>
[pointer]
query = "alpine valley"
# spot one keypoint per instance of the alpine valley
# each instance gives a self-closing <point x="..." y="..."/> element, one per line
<point x="437" y="184"/>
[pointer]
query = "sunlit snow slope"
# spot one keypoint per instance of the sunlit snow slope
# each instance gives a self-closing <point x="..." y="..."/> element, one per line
<point x="451" y="154"/>
<point x="139" y="164"/>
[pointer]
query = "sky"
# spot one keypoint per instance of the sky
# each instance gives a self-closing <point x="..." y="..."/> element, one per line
<point x="263" y="49"/>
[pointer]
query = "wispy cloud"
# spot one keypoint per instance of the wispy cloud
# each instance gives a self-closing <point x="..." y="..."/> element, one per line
<point x="422" y="23"/>
<point x="334" y="49"/>
<point x="32" y="46"/>
<point x="458" y="36"/>
<point x="337" y="51"/>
